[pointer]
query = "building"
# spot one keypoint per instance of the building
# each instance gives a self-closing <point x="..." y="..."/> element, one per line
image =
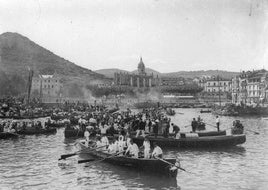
<point x="47" y="87"/>
<point x="218" y="84"/>
<point x="140" y="80"/>
<point x="250" y="87"/>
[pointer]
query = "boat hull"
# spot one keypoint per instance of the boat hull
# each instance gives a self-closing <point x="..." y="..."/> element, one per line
<point x="8" y="135"/>
<point x="37" y="132"/>
<point x="196" y="142"/>
<point x="152" y="166"/>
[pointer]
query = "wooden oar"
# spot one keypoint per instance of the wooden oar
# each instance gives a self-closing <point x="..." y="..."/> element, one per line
<point x="170" y="163"/>
<point x="63" y="157"/>
<point x="113" y="155"/>
<point x="255" y="133"/>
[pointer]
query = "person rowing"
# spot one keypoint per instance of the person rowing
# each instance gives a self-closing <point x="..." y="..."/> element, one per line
<point x="157" y="152"/>
<point x="132" y="150"/>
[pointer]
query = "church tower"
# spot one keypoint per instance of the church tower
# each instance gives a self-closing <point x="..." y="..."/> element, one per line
<point x="141" y="67"/>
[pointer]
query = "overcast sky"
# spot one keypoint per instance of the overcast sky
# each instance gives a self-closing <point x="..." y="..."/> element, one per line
<point x="170" y="35"/>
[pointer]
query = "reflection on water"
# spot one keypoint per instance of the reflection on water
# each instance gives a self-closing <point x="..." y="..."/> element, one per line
<point x="31" y="162"/>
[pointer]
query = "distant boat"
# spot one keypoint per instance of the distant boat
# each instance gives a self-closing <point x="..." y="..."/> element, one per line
<point x="8" y="135"/>
<point x="205" y="111"/>
<point x="264" y="118"/>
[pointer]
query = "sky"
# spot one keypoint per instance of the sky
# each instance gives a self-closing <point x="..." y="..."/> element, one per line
<point x="170" y="35"/>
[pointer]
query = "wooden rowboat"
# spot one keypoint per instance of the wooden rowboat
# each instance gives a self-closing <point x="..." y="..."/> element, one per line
<point x="152" y="166"/>
<point x="37" y="131"/>
<point x="7" y="135"/>
<point x="195" y="141"/>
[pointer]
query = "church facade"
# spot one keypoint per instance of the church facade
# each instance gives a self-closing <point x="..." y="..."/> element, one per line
<point x="140" y="80"/>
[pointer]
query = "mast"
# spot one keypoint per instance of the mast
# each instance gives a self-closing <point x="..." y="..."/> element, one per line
<point x="219" y="90"/>
<point x="30" y="77"/>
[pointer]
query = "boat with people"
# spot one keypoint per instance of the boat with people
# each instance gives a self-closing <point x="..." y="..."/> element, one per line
<point x="170" y="112"/>
<point x="8" y="135"/>
<point x="205" y="111"/>
<point x="158" y="166"/>
<point x="196" y="140"/>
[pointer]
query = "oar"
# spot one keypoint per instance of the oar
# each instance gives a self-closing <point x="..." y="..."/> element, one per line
<point x="63" y="157"/>
<point x="113" y="155"/>
<point x="169" y="163"/>
<point x="255" y="133"/>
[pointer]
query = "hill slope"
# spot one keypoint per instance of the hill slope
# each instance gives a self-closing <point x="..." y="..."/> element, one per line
<point x="185" y="74"/>
<point x="18" y="53"/>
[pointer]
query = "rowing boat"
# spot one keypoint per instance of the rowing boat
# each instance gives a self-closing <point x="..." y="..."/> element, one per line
<point x="195" y="141"/>
<point x="153" y="166"/>
<point x="7" y="135"/>
<point x="37" y="131"/>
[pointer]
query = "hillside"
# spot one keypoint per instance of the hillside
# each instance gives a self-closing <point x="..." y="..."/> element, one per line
<point x="193" y="74"/>
<point x="185" y="74"/>
<point x="110" y="72"/>
<point x="18" y="53"/>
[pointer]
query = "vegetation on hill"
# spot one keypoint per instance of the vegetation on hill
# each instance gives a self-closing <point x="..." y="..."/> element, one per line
<point x="18" y="54"/>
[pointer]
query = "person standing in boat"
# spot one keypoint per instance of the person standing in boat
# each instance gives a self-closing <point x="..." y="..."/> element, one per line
<point x="218" y="123"/>
<point x="194" y="125"/>
<point x="157" y="152"/>
<point x="132" y="150"/>
<point x="146" y="145"/>
<point x="86" y="134"/>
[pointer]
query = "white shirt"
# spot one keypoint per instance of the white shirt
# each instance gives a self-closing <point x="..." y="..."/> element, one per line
<point x="157" y="151"/>
<point x="112" y="148"/>
<point x="105" y="140"/>
<point x="133" y="150"/>
<point x="146" y="145"/>
<point x="217" y="120"/>
<point x="103" y="129"/>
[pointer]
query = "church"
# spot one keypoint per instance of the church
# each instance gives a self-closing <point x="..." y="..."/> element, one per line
<point x="140" y="80"/>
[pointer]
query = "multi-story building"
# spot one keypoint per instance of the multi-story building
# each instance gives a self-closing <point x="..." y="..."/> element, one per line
<point x="217" y="84"/>
<point x="255" y="86"/>
<point x="47" y="87"/>
<point x="250" y="87"/>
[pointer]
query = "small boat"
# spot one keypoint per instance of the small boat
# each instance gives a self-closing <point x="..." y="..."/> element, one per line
<point x="195" y="140"/>
<point x="7" y="135"/>
<point x="73" y="133"/>
<point x="170" y="112"/>
<point x="205" y="111"/>
<point x="264" y="118"/>
<point x="152" y="165"/>
<point x="37" y="131"/>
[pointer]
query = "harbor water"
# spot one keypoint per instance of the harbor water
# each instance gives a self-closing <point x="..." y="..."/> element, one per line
<point x="31" y="162"/>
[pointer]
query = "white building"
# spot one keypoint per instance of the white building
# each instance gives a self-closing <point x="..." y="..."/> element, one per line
<point x="47" y="87"/>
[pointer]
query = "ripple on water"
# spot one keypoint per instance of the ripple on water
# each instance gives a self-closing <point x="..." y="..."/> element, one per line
<point x="31" y="162"/>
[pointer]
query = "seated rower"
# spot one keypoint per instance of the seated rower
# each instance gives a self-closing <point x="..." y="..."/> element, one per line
<point x="146" y="145"/>
<point x="132" y="150"/>
<point x="112" y="148"/>
<point x="99" y="144"/>
<point x="157" y="152"/>
<point x="104" y="140"/>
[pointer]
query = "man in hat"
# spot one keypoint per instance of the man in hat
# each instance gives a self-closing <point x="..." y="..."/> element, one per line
<point x="218" y="123"/>
<point x="157" y="152"/>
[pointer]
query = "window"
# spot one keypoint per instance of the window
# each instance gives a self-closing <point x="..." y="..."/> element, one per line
<point x="48" y="80"/>
<point x="45" y="86"/>
<point x="51" y="86"/>
<point x="48" y="86"/>
<point x="214" y="84"/>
